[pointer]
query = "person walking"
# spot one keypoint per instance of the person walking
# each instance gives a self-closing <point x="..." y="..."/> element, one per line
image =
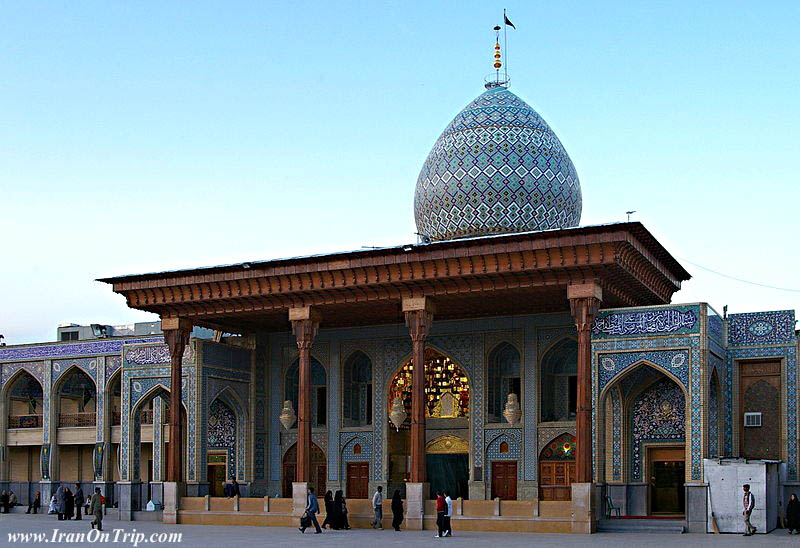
<point x="328" y="499"/>
<point x="96" y="508"/>
<point x="441" y="507"/>
<point x="4" y="501"/>
<point x="312" y="509"/>
<point x="748" y="504"/>
<point x="60" y="502"/>
<point x="793" y="514"/>
<point x="235" y="489"/>
<point x="340" y="519"/>
<point x="448" y="524"/>
<point x="345" y="518"/>
<point x="78" y="501"/>
<point x="377" y="507"/>
<point x="397" y="510"/>
<point x="35" y="504"/>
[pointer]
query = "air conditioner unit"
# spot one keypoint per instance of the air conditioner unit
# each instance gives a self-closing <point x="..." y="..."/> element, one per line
<point x="752" y="419"/>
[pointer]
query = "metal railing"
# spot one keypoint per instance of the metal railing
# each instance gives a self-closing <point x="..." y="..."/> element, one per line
<point x="147" y="416"/>
<point x="24" y="421"/>
<point x="77" y="419"/>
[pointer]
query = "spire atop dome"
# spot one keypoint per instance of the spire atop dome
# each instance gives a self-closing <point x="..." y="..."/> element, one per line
<point x="495" y="80"/>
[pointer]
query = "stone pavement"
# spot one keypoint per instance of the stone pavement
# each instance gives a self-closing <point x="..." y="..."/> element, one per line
<point x="251" y="537"/>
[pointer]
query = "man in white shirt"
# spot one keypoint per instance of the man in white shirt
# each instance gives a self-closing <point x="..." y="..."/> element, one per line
<point x="448" y="514"/>
<point x="377" y="506"/>
<point x="748" y="503"/>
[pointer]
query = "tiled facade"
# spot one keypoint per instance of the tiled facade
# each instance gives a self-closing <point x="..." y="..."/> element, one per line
<point x="660" y="374"/>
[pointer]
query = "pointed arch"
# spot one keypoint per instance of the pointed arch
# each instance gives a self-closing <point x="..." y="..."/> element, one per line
<point x="319" y="389"/>
<point x="558" y="380"/>
<point x="236" y="453"/>
<point x="357" y="396"/>
<point x="503" y="377"/>
<point x="459" y="382"/>
<point x="27" y="413"/>
<point x="618" y="382"/>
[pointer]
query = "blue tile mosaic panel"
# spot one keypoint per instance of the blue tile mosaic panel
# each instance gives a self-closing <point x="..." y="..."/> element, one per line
<point x="675" y="320"/>
<point x="759" y="328"/>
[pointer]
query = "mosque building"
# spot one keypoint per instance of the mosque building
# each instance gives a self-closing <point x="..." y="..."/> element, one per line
<point x="561" y="387"/>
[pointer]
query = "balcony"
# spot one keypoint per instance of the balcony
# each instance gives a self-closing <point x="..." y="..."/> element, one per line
<point x="25" y="421"/>
<point x="77" y="419"/>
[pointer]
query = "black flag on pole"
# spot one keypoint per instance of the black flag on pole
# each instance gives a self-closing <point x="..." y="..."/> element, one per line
<point x="509" y="23"/>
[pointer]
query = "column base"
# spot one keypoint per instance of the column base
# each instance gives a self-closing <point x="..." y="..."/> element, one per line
<point x="196" y="489"/>
<point x="173" y="491"/>
<point x="477" y="490"/>
<point x="299" y="497"/>
<point x="129" y="494"/>
<point x="584" y="515"/>
<point x="697" y="508"/>
<point x="48" y="488"/>
<point x="416" y="495"/>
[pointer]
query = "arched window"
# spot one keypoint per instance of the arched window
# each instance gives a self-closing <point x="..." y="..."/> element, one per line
<point x="560" y="382"/>
<point x="319" y="391"/>
<point x="504" y="379"/>
<point x="357" y="389"/>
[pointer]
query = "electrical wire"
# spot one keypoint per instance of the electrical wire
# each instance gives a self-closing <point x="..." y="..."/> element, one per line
<point x="740" y="279"/>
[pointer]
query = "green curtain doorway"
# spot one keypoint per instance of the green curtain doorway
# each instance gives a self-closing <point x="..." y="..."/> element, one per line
<point x="448" y="473"/>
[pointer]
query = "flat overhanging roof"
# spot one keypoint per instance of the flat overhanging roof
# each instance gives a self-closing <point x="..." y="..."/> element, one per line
<point x="503" y="274"/>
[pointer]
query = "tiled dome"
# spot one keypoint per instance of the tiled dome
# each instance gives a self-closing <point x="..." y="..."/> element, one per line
<point x="497" y="168"/>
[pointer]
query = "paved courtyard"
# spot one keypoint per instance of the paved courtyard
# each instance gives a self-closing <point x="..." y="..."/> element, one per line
<point x="141" y="534"/>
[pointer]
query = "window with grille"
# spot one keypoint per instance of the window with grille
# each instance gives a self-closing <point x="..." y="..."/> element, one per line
<point x="752" y="419"/>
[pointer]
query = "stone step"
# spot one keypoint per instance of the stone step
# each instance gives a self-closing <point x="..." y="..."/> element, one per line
<point x="641" y="526"/>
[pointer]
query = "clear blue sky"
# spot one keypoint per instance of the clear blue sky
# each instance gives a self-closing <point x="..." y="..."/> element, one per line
<point x="141" y="136"/>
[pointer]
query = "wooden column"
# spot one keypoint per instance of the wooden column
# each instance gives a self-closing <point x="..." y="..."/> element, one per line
<point x="584" y="300"/>
<point x="176" y="336"/>
<point x="419" y="317"/>
<point x="305" y="324"/>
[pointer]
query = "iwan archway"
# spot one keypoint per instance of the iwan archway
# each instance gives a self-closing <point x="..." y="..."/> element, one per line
<point x="642" y="434"/>
<point x="447" y="415"/>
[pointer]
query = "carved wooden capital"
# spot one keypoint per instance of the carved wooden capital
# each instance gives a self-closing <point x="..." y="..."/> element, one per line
<point x="305" y="326"/>
<point x="584" y="310"/>
<point x="419" y="324"/>
<point x="176" y="339"/>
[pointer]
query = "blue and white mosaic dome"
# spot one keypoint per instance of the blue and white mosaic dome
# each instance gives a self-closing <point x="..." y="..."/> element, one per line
<point x="497" y="168"/>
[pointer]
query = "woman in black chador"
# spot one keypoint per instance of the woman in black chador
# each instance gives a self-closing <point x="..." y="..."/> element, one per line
<point x="69" y="504"/>
<point x="340" y="520"/>
<point x="793" y="514"/>
<point x="397" y="510"/>
<point x="328" y="510"/>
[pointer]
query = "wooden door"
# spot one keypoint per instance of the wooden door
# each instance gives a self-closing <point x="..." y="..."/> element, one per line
<point x="555" y="478"/>
<point x="216" y="476"/>
<point x="504" y="480"/>
<point x="319" y="478"/>
<point x="357" y="480"/>
<point x="288" y="478"/>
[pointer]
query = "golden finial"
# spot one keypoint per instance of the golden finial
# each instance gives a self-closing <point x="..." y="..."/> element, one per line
<point x="497" y="62"/>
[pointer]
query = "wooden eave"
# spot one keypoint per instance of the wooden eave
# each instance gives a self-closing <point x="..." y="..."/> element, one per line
<point x="510" y="274"/>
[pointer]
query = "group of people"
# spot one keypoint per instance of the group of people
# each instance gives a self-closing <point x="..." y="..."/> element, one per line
<point x="444" y="513"/>
<point x="232" y="489"/>
<point x="7" y="500"/>
<point x="335" y="511"/>
<point x="67" y="504"/>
